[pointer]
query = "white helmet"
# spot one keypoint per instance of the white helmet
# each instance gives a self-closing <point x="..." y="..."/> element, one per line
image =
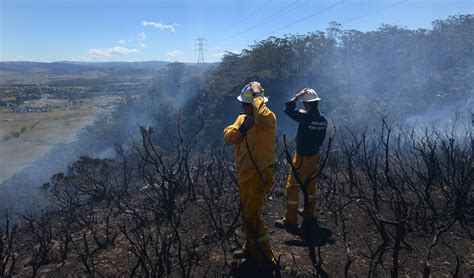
<point x="246" y="95"/>
<point x="310" y="96"/>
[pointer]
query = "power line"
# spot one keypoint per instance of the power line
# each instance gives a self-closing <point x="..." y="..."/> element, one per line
<point x="345" y="21"/>
<point x="201" y="44"/>
<point x="252" y="13"/>
<point x="308" y="17"/>
<point x="304" y="18"/>
<point x="373" y="12"/>
<point x="267" y="19"/>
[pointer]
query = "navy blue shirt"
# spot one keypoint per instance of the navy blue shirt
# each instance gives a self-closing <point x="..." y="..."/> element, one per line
<point x="312" y="127"/>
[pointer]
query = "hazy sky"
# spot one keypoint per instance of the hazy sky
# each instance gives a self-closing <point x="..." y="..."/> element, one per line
<point x="106" y="30"/>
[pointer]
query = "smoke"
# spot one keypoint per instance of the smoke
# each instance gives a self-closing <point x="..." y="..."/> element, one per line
<point x="453" y="119"/>
<point x="158" y="107"/>
<point x="408" y="77"/>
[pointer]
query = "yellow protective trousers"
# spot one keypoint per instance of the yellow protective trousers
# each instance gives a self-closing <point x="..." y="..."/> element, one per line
<point x="252" y="196"/>
<point x="305" y="166"/>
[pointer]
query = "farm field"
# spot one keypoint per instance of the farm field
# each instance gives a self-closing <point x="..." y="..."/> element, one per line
<point x="26" y="136"/>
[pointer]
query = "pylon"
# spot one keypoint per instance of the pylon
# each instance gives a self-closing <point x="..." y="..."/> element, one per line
<point x="200" y="45"/>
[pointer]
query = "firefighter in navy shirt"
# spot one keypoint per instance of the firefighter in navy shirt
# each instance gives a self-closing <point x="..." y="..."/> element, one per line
<point x="311" y="132"/>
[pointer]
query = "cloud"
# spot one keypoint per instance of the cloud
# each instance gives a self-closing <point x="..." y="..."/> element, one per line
<point x="141" y="36"/>
<point x="218" y="54"/>
<point x="109" y="52"/>
<point x="159" y="25"/>
<point x="174" y="54"/>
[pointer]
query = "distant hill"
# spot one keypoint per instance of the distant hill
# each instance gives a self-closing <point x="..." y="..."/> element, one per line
<point x="126" y="65"/>
<point x="53" y="68"/>
<point x="21" y="72"/>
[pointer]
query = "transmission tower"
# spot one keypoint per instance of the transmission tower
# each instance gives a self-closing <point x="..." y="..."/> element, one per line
<point x="200" y="45"/>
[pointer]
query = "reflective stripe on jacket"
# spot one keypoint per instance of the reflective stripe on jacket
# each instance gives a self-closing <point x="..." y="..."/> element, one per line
<point x="260" y="139"/>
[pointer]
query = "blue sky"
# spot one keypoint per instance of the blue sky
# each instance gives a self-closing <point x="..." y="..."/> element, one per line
<point x="141" y="30"/>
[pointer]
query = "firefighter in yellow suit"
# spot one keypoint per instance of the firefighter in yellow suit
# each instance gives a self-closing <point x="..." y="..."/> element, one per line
<point x="253" y="137"/>
<point x="310" y="135"/>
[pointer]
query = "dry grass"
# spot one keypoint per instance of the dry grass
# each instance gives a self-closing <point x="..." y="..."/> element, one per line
<point x="41" y="132"/>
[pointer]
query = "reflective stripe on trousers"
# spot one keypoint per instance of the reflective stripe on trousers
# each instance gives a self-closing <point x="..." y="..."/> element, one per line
<point x="252" y="196"/>
<point x="306" y="166"/>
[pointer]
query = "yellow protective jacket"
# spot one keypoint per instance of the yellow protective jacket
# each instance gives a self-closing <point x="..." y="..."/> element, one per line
<point x="260" y="139"/>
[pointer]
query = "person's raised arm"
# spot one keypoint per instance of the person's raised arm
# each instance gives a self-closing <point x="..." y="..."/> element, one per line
<point x="290" y="106"/>
<point x="263" y="115"/>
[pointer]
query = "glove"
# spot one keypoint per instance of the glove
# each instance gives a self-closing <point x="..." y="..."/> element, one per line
<point x="256" y="88"/>
<point x="258" y="94"/>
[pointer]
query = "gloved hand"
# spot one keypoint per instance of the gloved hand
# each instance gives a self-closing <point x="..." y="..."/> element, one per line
<point x="300" y="94"/>
<point x="249" y="122"/>
<point x="256" y="88"/>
